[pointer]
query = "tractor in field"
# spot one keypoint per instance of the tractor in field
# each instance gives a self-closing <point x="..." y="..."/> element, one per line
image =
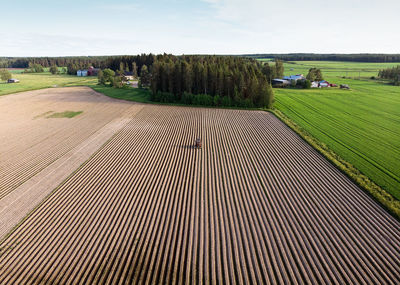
<point x="197" y="143"/>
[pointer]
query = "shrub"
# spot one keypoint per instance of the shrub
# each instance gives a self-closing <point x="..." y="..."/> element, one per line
<point x="226" y="101"/>
<point x="53" y="69"/>
<point x="217" y="100"/>
<point x="187" y="98"/>
<point x="306" y="84"/>
<point x="5" y="74"/>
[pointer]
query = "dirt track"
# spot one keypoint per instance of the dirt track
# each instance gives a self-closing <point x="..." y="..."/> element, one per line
<point x="255" y="205"/>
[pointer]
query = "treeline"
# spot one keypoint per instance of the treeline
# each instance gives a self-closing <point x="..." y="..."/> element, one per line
<point x="23" y="62"/>
<point x="112" y="62"/>
<point x="133" y="63"/>
<point x="74" y="64"/>
<point x="392" y="74"/>
<point x="210" y="81"/>
<point x="331" y="57"/>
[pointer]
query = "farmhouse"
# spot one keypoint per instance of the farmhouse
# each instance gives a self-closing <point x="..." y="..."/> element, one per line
<point x="82" y="73"/>
<point x="280" y="82"/>
<point x="323" y="83"/>
<point x="12" y="80"/>
<point x="294" y="77"/>
<point x="92" y="71"/>
<point x="128" y="75"/>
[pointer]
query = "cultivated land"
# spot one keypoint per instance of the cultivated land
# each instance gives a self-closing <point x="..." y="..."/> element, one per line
<point x="361" y="124"/>
<point x="36" y="148"/>
<point x="255" y="205"/>
<point x="333" y="69"/>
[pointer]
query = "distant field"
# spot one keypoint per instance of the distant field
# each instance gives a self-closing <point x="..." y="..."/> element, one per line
<point x="338" y="68"/>
<point x="33" y="81"/>
<point x="361" y="125"/>
<point x="332" y="69"/>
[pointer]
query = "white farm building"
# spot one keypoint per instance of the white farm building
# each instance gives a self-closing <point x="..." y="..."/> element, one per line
<point x="82" y="73"/>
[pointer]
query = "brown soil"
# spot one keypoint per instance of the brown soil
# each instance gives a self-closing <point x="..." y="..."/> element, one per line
<point x="255" y="205"/>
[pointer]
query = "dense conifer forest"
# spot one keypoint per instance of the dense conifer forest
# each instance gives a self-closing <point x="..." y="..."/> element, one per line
<point x="331" y="57"/>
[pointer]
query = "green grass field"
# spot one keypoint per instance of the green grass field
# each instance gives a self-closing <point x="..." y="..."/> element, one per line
<point x="333" y="69"/>
<point x="339" y="69"/>
<point x="129" y="94"/>
<point x="33" y="81"/>
<point x="362" y="125"/>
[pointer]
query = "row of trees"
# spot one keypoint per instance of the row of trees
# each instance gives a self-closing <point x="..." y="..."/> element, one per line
<point x="331" y="57"/>
<point x="392" y="74"/>
<point x="23" y="62"/>
<point x="130" y="63"/>
<point x="34" y="68"/>
<point x="236" y="81"/>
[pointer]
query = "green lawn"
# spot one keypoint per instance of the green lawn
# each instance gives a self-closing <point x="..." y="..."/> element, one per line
<point x="33" y="81"/>
<point x="362" y="125"/>
<point x="127" y="93"/>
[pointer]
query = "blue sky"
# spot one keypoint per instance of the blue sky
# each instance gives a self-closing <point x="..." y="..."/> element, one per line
<point x="88" y="27"/>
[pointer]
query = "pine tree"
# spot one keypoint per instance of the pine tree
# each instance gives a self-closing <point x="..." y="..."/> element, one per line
<point x="134" y="70"/>
<point x="279" y="69"/>
<point x="145" y="77"/>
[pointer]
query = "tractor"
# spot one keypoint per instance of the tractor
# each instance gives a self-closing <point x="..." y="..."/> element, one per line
<point x="197" y="143"/>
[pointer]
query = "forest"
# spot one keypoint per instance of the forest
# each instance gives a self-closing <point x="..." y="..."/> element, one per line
<point x="211" y="81"/>
<point x="330" y="57"/>
<point x="78" y="62"/>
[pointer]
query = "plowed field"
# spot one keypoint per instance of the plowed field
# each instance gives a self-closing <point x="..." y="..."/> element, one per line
<point x="254" y="205"/>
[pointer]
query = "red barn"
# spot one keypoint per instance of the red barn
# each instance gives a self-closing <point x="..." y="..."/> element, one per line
<point x="93" y="71"/>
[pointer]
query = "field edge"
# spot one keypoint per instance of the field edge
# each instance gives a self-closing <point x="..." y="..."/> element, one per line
<point x="385" y="199"/>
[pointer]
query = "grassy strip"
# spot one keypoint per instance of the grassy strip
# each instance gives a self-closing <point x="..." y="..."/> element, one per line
<point x="384" y="198"/>
<point x="142" y="95"/>
<point x="130" y="94"/>
<point x="65" y="114"/>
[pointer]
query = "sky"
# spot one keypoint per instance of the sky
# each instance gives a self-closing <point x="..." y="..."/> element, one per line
<point x="100" y="27"/>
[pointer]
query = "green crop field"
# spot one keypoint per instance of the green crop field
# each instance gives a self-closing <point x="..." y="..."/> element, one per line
<point x="338" y="68"/>
<point x="33" y="81"/>
<point x="333" y="69"/>
<point x="362" y="125"/>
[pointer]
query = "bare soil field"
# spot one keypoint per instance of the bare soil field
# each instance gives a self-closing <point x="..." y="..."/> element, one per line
<point x="255" y="205"/>
<point x="30" y="141"/>
<point x="38" y="152"/>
